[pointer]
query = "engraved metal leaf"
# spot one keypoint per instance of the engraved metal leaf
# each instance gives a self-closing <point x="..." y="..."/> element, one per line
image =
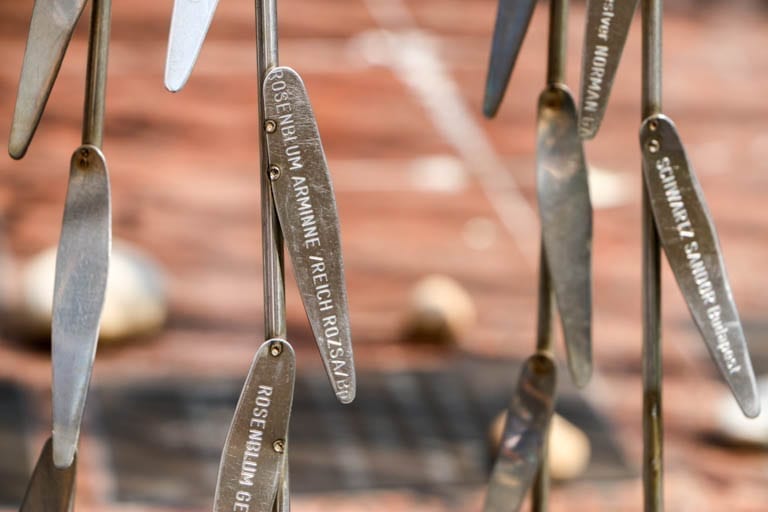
<point x="689" y="238"/>
<point x="257" y="441"/>
<point x="566" y="222"/>
<point x="306" y="207"/>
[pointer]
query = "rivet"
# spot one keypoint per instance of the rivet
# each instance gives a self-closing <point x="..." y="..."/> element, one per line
<point x="270" y="126"/>
<point x="274" y="172"/>
<point x="654" y="146"/>
<point x="276" y="348"/>
<point x="279" y="446"/>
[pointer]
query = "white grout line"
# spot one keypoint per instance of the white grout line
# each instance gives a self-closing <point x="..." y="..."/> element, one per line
<point x="413" y="56"/>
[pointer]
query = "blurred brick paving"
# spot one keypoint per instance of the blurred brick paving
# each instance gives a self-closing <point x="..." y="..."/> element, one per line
<point x="396" y="88"/>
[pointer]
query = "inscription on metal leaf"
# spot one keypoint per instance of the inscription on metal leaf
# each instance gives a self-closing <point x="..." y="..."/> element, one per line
<point x="690" y="242"/>
<point x="608" y="24"/>
<point x="257" y="441"/>
<point x="306" y="208"/>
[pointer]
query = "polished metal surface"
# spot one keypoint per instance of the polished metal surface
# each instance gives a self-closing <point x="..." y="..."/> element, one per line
<point x="49" y="34"/>
<point x="306" y="206"/>
<point x="256" y="447"/>
<point x="189" y="25"/>
<point x="608" y="23"/>
<point x="82" y="262"/>
<point x="50" y="489"/>
<point x="566" y="217"/>
<point x="512" y="20"/>
<point x="690" y="242"/>
<point x="525" y="431"/>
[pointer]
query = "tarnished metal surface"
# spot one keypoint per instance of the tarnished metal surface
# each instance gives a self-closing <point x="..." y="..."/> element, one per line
<point x="96" y="75"/>
<point x="306" y="207"/>
<point x="49" y="34"/>
<point x="256" y="445"/>
<point x="690" y="242"/>
<point x="566" y="218"/>
<point x="82" y="262"/>
<point x="50" y="489"/>
<point x="189" y="25"/>
<point x="652" y="368"/>
<point x="525" y="431"/>
<point x="512" y="20"/>
<point x="608" y="24"/>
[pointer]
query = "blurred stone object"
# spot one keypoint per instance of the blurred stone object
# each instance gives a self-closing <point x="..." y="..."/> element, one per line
<point x="569" y="447"/>
<point x="736" y="428"/>
<point x="135" y="303"/>
<point x="440" y="311"/>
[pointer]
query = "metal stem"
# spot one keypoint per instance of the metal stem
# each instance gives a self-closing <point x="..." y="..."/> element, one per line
<point x="96" y="75"/>
<point x="652" y="14"/>
<point x="540" y="490"/>
<point x="558" y="41"/>
<point x="556" y="59"/>
<point x="653" y="433"/>
<point x="272" y="239"/>
<point x="545" y="306"/>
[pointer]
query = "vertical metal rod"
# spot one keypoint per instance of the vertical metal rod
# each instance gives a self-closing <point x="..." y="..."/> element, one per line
<point x="540" y="490"/>
<point x="96" y="74"/>
<point x="556" y="60"/>
<point x="545" y="306"/>
<point x="272" y="239"/>
<point x="558" y="41"/>
<point x="653" y="432"/>
<point x="652" y="18"/>
<point x="653" y="429"/>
